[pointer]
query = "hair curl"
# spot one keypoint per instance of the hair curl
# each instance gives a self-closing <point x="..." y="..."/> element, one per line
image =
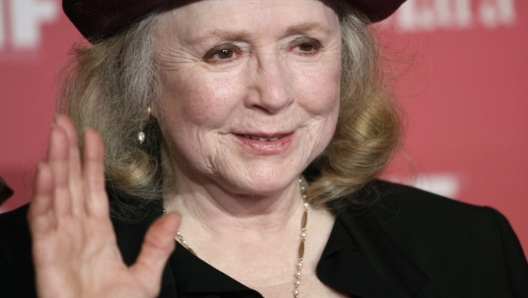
<point x="368" y="129"/>
<point x="110" y="85"/>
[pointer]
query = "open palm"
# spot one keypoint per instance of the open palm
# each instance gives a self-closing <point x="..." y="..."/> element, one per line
<point x="74" y="246"/>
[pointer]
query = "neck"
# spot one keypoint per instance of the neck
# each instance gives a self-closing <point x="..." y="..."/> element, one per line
<point x="208" y="208"/>
<point x="256" y="239"/>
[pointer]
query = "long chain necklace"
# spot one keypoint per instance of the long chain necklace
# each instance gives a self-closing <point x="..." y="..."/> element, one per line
<point x="304" y="221"/>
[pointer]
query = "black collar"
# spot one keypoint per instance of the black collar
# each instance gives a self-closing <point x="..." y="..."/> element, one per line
<point x="362" y="260"/>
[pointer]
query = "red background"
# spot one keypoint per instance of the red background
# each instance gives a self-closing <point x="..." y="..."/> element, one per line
<point x="462" y="82"/>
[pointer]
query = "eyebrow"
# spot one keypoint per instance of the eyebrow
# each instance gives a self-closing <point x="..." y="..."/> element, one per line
<point x="306" y="27"/>
<point x="232" y="35"/>
<point x="244" y="35"/>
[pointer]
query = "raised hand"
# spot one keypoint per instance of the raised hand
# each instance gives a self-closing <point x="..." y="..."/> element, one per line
<point x="74" y="247"/>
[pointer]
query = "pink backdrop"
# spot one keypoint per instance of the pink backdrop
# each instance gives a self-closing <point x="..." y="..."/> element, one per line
<point x="461" y="71"/>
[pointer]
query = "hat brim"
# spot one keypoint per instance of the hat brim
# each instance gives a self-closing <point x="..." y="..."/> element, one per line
<point x="97" y="19"/>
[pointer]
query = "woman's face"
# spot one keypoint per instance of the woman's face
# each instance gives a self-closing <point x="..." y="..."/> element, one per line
<point x="250" y="90"/>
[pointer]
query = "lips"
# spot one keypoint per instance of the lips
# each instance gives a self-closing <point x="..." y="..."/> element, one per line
<point x="266" y="144"/>
<point x="262" y="139"/>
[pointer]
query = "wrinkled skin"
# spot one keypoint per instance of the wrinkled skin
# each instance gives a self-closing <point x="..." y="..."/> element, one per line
<point x="254" y="68"/>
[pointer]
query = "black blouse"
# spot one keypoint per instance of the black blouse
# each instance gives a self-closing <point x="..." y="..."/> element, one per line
<point x="410" y="243"/>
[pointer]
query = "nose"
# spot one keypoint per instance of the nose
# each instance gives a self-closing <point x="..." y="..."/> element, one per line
<point x="271" y="85"/>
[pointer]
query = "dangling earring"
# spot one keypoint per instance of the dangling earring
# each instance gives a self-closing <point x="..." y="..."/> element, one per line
<point x="141" y="135"/>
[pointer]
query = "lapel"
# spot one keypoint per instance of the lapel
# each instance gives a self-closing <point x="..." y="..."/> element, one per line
<point x="196" y="278"/>
<point x="361" y="259"/>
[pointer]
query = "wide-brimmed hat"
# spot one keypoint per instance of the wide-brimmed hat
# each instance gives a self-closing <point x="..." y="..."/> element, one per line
<point x="97" y="19"/>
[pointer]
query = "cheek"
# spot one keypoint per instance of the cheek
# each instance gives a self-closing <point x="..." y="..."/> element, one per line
<point x="319" y="96"/>
<point x="319" y="89"/>
<point x="205" y="100"/>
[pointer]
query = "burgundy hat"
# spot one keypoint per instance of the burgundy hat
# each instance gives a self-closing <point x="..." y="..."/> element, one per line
<point x="96" y="19"/>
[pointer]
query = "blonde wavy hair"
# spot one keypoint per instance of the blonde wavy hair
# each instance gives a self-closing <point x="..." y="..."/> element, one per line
<point x="108" y="86"/>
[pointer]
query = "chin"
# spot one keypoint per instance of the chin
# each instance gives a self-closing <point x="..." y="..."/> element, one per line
<point x="264" y="181"/>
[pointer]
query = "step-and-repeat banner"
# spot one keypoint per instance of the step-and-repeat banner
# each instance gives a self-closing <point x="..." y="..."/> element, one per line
<point x="458" y="67"/>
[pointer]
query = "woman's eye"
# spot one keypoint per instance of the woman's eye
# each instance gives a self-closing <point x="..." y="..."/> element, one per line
<point x="220" y="55"/>
<point x="225" y="54"/>
<point x="306" y="47"/>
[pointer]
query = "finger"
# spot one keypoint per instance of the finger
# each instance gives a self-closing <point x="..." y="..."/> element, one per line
<point x="158" y="245"/>
<point x="93" y="173"/>
<point x="40" y="210"/>
<point x="58" y="156"/>
<point x="74" y="163"/>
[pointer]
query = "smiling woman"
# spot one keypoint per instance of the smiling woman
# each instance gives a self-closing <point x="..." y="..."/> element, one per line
<point x="257" y="127"/>
<point x="176" y="53"/>
<point x="217" y="115"/>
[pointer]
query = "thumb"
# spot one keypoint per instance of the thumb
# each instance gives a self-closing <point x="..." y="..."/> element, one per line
<point x="157" y="246"/>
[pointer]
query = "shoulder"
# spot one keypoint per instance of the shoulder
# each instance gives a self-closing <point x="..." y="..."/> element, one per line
<point x="16" y="266"/>
<point x="16" y="216"/>
<point x="405" y="210"/>
<point x="413" y="217"/>
<point x="450" y="241"/>
<point x="14" y="227"/>
<point x="411" y="206"/>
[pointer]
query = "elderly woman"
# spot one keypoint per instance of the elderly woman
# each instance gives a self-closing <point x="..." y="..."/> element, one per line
<point x="258" y="127"/>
